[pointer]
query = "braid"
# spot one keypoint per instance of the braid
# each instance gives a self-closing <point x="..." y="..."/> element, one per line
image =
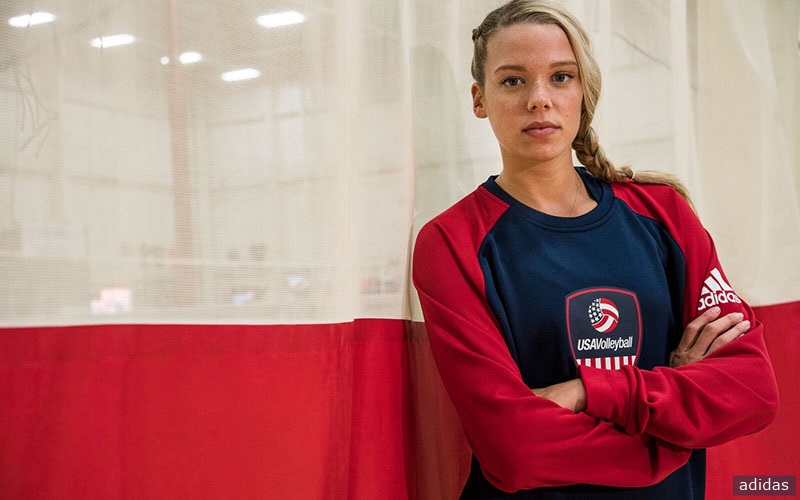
<point x="591" y="155"/>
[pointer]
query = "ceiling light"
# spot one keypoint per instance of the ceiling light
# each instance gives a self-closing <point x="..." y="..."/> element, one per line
<point x="281" y="19"/>
<point x="31" y="19"/>
<point x="241" y="74"/>
<point x="190" y="57"/>
<point x="112" y="41"/>
<point x="164" y="60"/>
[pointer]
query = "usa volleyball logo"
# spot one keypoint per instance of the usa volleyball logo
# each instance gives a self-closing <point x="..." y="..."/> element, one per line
<point x="604" y="326"/>
<point x="604" y="315"/>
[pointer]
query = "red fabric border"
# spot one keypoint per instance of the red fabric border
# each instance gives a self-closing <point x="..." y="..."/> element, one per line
<point x="773" y="451"/>
<point x="352" y="410"/>
<point x="223" y="411"/>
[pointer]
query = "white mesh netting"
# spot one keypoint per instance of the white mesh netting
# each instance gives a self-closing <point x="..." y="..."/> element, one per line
<point x="139" y="184"/>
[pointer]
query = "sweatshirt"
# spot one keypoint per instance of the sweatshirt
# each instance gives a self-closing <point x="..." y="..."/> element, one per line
<point x="515" y="299"/>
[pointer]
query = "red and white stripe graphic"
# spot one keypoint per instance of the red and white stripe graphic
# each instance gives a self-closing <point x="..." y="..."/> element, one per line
<point x="611" y="363"/>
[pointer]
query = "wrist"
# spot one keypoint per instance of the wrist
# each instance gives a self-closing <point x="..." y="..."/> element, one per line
<point x="580" y="396"/>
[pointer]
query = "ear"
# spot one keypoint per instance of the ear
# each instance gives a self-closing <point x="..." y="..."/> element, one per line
<point x="477" y="101"/>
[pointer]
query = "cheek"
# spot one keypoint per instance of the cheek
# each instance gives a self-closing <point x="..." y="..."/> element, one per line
<point x="506" y="106"/>
<point x="573" y="109"/>
<point x="503" y="113"/>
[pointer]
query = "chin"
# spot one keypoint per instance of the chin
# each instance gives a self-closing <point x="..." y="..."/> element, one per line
<point x="548" y="156"/>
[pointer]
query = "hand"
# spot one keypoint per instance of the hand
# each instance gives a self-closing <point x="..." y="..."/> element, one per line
<point x="570" y="394"/>
<point x="707" y="333"/>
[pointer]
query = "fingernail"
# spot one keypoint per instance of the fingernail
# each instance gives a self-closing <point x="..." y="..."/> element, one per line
<point x="739" y="317"/>
<point x="744" y="325"/>
<point x="715" y="310"/>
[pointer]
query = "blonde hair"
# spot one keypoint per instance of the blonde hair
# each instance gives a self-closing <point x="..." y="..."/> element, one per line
<point x="586" y="143"/>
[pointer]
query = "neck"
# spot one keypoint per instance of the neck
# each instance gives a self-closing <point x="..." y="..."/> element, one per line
<point x="553" y="190"/>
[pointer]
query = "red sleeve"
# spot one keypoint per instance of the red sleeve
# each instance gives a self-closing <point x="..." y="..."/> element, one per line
<point x="730" y="393"/>
<point x="521" y="441"/>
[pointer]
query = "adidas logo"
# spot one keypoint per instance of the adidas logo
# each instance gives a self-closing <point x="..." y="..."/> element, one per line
<point x="716" y="291"/>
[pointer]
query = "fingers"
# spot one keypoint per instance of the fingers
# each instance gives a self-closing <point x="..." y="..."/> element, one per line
<point x="712" y="331"/>
<point x="732" y="334"/>
<point x="707" y="333"/>
<point x="695" y="326"/>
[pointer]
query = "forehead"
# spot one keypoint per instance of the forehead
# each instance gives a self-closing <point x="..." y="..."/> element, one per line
<point x="528" y="44"/>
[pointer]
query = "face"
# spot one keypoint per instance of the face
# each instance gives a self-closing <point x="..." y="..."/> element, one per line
<point x="532" y="95"/>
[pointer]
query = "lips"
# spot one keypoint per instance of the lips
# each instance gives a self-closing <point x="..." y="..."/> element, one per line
<point x="541" y="129"/>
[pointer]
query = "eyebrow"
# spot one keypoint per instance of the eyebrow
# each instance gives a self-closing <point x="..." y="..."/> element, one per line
<point x="516" y="67"/>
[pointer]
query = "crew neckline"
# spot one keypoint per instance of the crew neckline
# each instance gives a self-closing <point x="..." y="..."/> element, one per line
<point x="599" y="190"/>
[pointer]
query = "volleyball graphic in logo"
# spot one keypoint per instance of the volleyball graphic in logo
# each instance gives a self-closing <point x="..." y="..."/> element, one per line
<point x="604" y="315"/>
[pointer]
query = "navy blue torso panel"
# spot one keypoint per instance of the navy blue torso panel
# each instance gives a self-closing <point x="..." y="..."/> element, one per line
<point x="603" y="289"/>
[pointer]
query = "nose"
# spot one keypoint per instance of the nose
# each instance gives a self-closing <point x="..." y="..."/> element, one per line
<point x="538" y="99"/>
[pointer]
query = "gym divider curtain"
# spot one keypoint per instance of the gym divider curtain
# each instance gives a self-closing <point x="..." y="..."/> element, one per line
<point x="207" y="210"/>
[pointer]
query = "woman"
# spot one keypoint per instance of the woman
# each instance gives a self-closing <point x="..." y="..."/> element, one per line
<point x="579" y="317"/>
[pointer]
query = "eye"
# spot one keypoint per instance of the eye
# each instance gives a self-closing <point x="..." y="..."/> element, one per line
<point x="562" y="77"/>
<point x="512" y="81"/>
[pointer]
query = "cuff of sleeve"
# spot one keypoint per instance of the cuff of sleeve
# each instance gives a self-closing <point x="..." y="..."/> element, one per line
<point x="607" y="393"/>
